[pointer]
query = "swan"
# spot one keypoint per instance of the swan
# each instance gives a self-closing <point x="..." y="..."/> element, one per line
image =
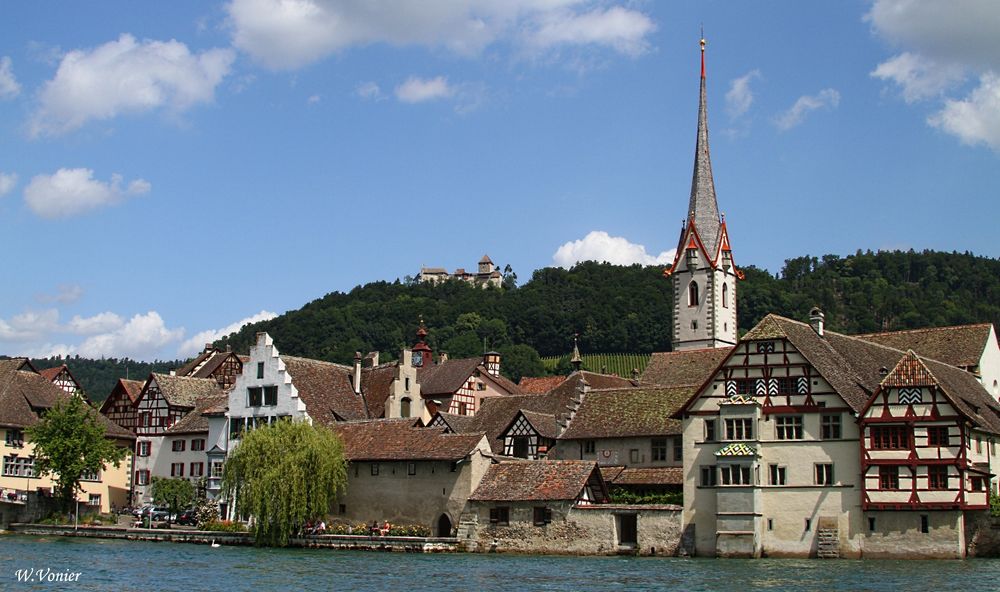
<point x="215" y="545"/>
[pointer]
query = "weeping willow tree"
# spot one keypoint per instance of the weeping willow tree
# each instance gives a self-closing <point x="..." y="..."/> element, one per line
<point x="284" y="475"/>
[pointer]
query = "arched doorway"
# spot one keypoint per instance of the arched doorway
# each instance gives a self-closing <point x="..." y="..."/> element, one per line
<point x="444" y="526"/>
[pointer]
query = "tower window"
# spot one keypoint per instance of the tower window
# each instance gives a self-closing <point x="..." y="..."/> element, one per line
<point x="693" y="294"/>
<point x="725" y="295"/>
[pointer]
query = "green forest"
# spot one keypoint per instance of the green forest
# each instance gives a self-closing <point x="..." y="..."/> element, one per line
<point x="613" y="309"/>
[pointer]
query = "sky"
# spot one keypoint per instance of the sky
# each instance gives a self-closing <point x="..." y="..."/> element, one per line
<point x="172" y="170"/>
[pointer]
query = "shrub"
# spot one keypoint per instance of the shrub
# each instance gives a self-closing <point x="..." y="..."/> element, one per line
<point x="623" y="496"/>
<point x="224" y="526"/>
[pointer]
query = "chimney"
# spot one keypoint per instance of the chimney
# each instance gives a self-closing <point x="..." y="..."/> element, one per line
<point x="357" y="373"/>
<point x="442" y="357"/>
<point x="208" y="347"/>
<point x="816" y="318"/>
<point x="371" y="360"/>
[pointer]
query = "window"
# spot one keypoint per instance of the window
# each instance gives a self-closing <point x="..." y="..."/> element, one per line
<point x="142" y="447"/>
<point x="411" y="468"/>
<point x="90" y="476"/>
<point x="871" y="524"/>
<point x="977" y="484"/>
<point x="271" y="395"/>
<point x="633" y="455"/>
<point x="94" y="499"/>
<point x="824" y="474"/>
<point x="739" y="429"/>
<point x="407" y="384"/>
<point x="658" y="449"/>
<point x="770" y="523"/>
<point x="693" y="294"/>
<point x="374" y="469"/>
<point x="198" y="444"/>
<point x="254" y="396"/>
<point x="176" y="469"/>
<point x="979" y="444"/>
<point x="142" y="477"/>
<point x="710" y="430"/>
<point x="144" y="418"/>
<point x="808" y="524"/>
<point x="500" y="516"/>
<point x="735" y="475"/>
<point x="235" y="428"/>
<point x="15" y="438"/>
<point x="924" y="524"/>
<point x="892" y="437"/>
<point x="937" y="477"/>
<point x="888" y="478"/>
<point x="177" y="446"/>
<point x="404" y="407"/>
<point x="260" y="370"/>
<point x="18" y="466"/>
<point x="788" y="427"/>
<point x="830" y="427"/>
<point x="197" y="469"/>
<point x="725" y="295"/>
<point x="542" y="515"/>
<point x="589" y="446"/>
<point x="480" y="386"/>
<point x="678" y="448"/>
<point x="708" y="476"/>
<point x="217" y="469"/>
<point x="786" y="385"/>
<point x="744" y="386"/>
<point x="520" y="446"/>
<point x="776" y="475"/>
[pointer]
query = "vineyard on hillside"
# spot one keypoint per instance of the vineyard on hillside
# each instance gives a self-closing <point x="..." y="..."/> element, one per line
<point x="618" y="364"/>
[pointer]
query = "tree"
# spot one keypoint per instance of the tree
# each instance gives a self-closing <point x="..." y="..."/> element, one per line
<point x="283" y="475"/>
<point x="173" y="493"/>
<point x="70" y="442"/>
<point x="520" y="360"/>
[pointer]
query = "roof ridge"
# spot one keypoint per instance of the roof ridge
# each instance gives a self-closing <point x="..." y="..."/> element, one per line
<point x="924" y="329"/>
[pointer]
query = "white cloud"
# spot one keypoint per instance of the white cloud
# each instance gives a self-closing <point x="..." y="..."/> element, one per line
<point x="313" y="99"/>
<point x="740" y="97"/>
<point x="975" y="119"/>
<point x="30" y="325"/>
<point x="288" y="34"/>
<point x="126" y="76"/>
<point x="71" y="191"/>
<point x="418" y="90"/>
<point x="600" y="246"/>
<point x="7" y="182"/>
<point x="9" y="87"/>
<point x="826" y="98"/>
<point x="920" y="78"/>
<point x="195" y="344"/>
<point x="369" y="90"/>
<point x="143" y="337"/>
<point x="65" y="294"/>
<point x="100" y="323"/>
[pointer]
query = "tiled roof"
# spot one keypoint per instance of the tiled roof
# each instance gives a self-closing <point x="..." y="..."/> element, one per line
<point x="376" y="386"/>
<point x="530" y="385"/>
<point x="537" y="480"/>
<point x="685" y="367"/>
<point x="131" y="388"/>
<point x="649" y="476"/>
<point x="959" y="346"/>
<point x="50" y="374"/>
<point x="398" y="439"/>
<point x="737" y="449"/>
<point x="459" y="424"/>
<point x="544" y="423"/>
<point x="909" y="371"/>
<point x="446" y="378"/>
<point x="326" y="389"/>
<point x="620" y="413"/>
<point x="182" y="391"/>
<point x="195" y="421"/>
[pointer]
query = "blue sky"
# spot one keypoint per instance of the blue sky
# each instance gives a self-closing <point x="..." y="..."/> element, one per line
<point x="171" y="169"/>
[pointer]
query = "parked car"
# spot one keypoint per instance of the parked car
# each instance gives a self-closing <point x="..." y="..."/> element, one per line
<point x="188" y="518"/>
<point x="155" y="514"/>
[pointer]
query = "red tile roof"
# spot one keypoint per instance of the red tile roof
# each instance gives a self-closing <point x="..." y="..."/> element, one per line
<point x="536" y="480"/>
<point x="961" y="345"/>
<point x="326" y="389"/>
<point x="622" y="413"/>
<point x="398" y="439"/>
<point x="531" y="385"/>
<point x="679" y="368"/>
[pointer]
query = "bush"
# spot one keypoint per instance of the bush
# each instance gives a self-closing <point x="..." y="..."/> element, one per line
<point x="224" y="526"/>
<point x="623" y="496"/>
<point x="994" y="504"/>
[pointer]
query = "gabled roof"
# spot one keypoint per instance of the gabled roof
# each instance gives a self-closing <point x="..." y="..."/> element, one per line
<point x="537" y="480"/>
<point x="459" y="424"/>
<point x="961" y="346"/>
<point x="544" y="424"/>
<point x="206" y="363"/>
<point x="376" y="386"/>
<point x="326" y="389"/>
<point x="398" y="439"/>
<point x="679" y="368"/>
<point x="50" y="374"/>
<point x="195" y="422"/>
<point x="622" y="413"/>
<point x="131" y="389"/>
<point x="443" y="380"/>
<point x="531" y="385"/>
<point x="183" y="391"/>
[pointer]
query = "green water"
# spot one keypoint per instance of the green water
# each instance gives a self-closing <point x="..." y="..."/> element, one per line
<point x="126" y="566"/>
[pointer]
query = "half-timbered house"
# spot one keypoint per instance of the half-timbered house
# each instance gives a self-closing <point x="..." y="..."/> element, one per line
<point x="119" y="406"/>
<point x="223" y="366"/>
<point x="64" y="379"/>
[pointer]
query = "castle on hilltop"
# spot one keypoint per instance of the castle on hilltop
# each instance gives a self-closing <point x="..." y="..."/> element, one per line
<point x="488" y="274"/>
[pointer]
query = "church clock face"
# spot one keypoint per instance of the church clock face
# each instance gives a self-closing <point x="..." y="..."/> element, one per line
<point x="417" y="359"/>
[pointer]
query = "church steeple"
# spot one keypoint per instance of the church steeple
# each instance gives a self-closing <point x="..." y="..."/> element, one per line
<point x="703" y="209"/>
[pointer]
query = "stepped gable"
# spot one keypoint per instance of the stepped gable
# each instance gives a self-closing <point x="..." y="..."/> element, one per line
<point x="326" y="389"/>
<point x="686" y="367"/>
<point x="960" y="346"/>
<point x="184" y="391"/>
<point x="24" y="394"/>
<point x="536" y="480"/>
<point x="400" y="439"/>
<point x="376" y="386"/>
<point x="531" y="385"/>
<point x="634" y="412"/>
<point x="196" y="422"/>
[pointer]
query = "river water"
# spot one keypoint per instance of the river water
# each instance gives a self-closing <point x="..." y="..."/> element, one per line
<point x="95" y="564"/>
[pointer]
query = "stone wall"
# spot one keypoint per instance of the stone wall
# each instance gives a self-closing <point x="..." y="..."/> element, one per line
<point x="897" y="536"/>
<point x="573" y="530"/>
<point x="983" y="534"/>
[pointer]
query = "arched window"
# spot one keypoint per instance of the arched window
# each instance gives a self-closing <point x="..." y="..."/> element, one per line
<point x="404" y="407"/>
<point x="693" y="294"/>
<point x="725" y="295"/>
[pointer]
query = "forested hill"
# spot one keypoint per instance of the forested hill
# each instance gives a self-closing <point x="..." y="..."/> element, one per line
<point x="628" y="309"/>
<point x="98" y="377"/>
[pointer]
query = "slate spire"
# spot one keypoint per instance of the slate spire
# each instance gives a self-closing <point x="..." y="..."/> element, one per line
<point x="703" y="208"/>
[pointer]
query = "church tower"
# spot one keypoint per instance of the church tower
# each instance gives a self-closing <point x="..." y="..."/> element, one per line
<point x="703" y="273"/>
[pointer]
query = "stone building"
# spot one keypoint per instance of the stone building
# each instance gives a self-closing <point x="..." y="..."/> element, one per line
<point x="487" y="274"/>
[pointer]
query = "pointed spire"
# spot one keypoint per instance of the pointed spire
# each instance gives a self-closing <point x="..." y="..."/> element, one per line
<point x="576" y="360"/>
<point x="703" y="208"/>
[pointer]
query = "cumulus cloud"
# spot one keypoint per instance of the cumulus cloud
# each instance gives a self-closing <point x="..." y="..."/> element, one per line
<point x="7" y="182"/>
<point x="71" y="191"/>
<point x="142" y="337"/>
<point x="944" y="45"/>
<point x="600" y="246"/>
<point x="195" y="344"/>
<point x="826" y="98"/>
<point x="30" y="325"/>
<point x="65" y="294"/>
<point x="100" y="323"/>
<point x="288" y="34"/>
<point x="127" y="76"/>
<point x="739" y="97"/>
<point x="9" y="87"/>
<point x="369" y="91"/>
<point x="419" y="90"/>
